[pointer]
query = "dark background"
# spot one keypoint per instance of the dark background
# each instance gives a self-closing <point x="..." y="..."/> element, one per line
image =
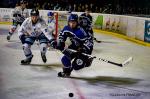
<point x="136" y="7"/>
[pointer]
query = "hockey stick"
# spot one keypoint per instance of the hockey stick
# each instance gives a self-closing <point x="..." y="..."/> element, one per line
<point x="98" y="41"/>
<point x="95" y="39"/>
<point x="126" y="62"/>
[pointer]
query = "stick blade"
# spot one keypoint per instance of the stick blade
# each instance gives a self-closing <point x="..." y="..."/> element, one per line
<point x="130" y="59"/>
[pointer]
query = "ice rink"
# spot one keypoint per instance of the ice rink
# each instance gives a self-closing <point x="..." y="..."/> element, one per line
<point x="100" y="81"/>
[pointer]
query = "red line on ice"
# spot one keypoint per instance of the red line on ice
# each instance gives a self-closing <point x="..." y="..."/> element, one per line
<point x="78" y="91"/>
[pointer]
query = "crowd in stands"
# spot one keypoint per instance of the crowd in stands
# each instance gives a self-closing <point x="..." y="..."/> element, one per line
<point x="98" y="6"/>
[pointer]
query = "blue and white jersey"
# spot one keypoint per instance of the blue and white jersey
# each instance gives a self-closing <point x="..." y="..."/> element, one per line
<point x="19" y="14"/>
<point x="78" y="37"/>
<point x="51" y="25"/>
<point x="34" y="30"/>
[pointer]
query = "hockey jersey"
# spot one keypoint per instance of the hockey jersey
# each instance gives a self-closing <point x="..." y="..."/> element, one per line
<point x="51" y="25"/>
<point x="85" y="20"/>
<point x="34" y="30"/>
<point x="78" y="38"/>
<point x="20" y="14"/>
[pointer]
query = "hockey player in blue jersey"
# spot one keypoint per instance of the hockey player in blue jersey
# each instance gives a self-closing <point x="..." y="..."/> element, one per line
<point x="50" y="16"/>
<point x="80" y="43"/>
<point x="51" y="23"/>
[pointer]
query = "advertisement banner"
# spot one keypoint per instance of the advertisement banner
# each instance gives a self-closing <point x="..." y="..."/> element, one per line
<point x="99" y="22"/>
<point x="123" y="25"/>
<point x="131" y="27"/>
<point x="140" y="29"/>
<point x="114" y="23"/>
<point x="106" y="22"/>
<point x="147" y="31"/>
<point x="5" y="15"/>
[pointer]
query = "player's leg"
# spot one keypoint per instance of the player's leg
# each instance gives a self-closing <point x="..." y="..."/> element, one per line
<point x="43" y="46"/>
<point x="67" y="68"/>
<point x="43" y="49"/>
<point x="12" y="29"/>
<point x="27" y="50"/>
<point x="81" y="61"/>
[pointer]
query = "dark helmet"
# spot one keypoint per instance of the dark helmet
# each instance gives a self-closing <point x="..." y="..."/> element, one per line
<point x="34" y="12"/>
<point x="50" y="14"/>
<point x="23" y="2"/>
<point x="73" y="17"/>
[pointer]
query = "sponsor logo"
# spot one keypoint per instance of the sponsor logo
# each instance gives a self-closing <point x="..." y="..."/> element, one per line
<point x="148" y="28"/>
<point x="147" y="31"/>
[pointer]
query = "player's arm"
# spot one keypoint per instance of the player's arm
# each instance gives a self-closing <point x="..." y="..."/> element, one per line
<point x="14" y="13"/>
<point x="49" y="36"/>
<point x="22" y="31"/>
<point x="91" y="19"/>
<point x="61" y="39"/>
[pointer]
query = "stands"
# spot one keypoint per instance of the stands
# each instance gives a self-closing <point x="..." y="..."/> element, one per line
<point x="123" y="7"/>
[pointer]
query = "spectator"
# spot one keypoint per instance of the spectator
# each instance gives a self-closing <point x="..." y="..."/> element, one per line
<point x="103" y="6"/>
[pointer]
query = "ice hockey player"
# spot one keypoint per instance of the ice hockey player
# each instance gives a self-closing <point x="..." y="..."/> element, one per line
<point x="20" y="13"/>
<point x="85" y="21"/>
<point x="79" y="42"/>
<point x="51" y="22"/>
<point x="35" y="28"/>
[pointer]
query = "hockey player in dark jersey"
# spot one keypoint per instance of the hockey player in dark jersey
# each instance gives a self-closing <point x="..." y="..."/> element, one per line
<point x="85" y="21"/>
<point x="80" y="43"/>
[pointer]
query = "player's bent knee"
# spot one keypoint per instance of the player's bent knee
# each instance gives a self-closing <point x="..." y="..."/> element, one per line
<point x="26" y="46"/>
<point x="66" y="61"/>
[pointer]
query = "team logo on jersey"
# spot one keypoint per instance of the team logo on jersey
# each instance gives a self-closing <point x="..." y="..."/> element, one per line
<point x="79" y="62"/>
<point x="148" y="28"/>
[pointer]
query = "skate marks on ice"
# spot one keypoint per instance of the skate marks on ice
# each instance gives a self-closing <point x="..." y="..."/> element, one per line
<point x="108" y="80"/>
<point x="3" y="31"/>
<point x="15" y="41"/>
<point x="46" y="65"/>
<point x="117" y="86"/>
<point x="16" y="44"/>
<point x="108" y="86"/>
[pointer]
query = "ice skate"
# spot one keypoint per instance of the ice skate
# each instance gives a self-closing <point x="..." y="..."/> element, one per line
<point x="26" y="61"/>
<point x="43" y="57"/>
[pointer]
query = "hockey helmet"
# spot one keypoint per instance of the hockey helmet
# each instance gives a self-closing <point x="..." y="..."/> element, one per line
<point x="23" y="2"/>
<point x="34" y="12"/>
<point x="73" y="17"/>
<point x="49" y="14"/>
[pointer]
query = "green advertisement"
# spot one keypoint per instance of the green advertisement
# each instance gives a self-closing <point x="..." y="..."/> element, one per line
<point x="99" y="21"/>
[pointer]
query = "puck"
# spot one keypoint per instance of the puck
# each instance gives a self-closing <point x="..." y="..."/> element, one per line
<point x="70" y="94"/>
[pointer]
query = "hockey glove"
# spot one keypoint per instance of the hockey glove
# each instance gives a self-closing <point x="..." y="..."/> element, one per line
<point x="60" y="46"/>
<point x="53" y="43"/>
